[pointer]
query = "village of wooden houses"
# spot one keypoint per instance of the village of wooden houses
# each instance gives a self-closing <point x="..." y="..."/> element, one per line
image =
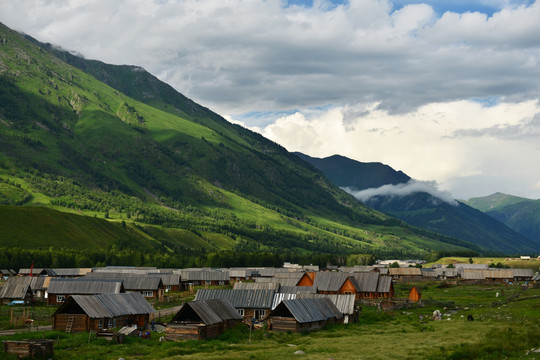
<point x="202" y="303"/>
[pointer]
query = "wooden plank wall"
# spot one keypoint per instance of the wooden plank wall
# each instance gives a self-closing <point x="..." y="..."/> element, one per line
<point x="80" y="323"/>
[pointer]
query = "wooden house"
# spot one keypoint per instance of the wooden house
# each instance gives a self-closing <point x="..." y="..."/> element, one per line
<point x="149" y="285"/>
<point x="251" y="304"/>
<point x="99" y="312"/>
<point x="346" y="304"/>
<point x="202" y="319"/>
<point x="300" y="315"/>
<point x="203" y="277"/>
<point x="60" y="289"/>
<point x="415" y="295"/>
<point x="385" y="287"/>
<point x="71" y="272"/>
<point x="17" y="288"/>
<point x="308" y="279"/>
<point x="367" y="285"/>
<point x="335" y="283"/>
<point x="522" y="274"/>
<point x="471" y="276"/>
<point x="410" y="273"/>
<point x="171" y="282"/>
<point x="506" y="275"/>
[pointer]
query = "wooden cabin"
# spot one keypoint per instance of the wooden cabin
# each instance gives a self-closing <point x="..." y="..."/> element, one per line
<point x="202" y="319"/>
<point x="307" y="279"/>
<point x="203" y="277"/>
<point x="415" y="295"/>
<point x="149" y="285"/>
<point x="335" y="283"/>
<point x="300" y="315"/>
<point x="385" y="287"/>
<point x="346" y="304"/>
<point x="99" y="312"/>
<point x="251" y="304"/>
<point x="409" y="273"/>
<point x="367" y="285"/>
<point x="60" y="289"/>
<point x="17" y="288"/>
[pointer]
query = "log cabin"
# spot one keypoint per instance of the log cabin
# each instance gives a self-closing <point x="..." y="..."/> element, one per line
<point x="60" y="289"/>
<point x="99" y="312"/>
<point x="300" y="315"/>
<point x="202" y="319"/>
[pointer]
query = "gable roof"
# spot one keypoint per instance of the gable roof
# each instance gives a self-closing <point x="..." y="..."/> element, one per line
<point x="330" y="281"/>
<point x="254" y="299"/>
<point x="344" y="303"/>
<point x="366" y="281"/>
<point x="16" y="288"/>
<point x="109" y="305"/>
<point x="308" y="310"/>
<point x="85" y="286"/>
<point x="211" y="311"/>
<point x="131" y="281"/>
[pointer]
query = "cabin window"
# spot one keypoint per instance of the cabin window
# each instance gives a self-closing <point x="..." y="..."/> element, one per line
<point x="110" y="324"/>
<point x="147" y="293"/>
<point x="169" y="287"/>
<point x="241" y="312"/>
<point x="222" y="283"/>
<point x="100" y="324"/>
<point x="348" y="292"/>
<point x="60" y="298"/>
<point x="262" y="313"/>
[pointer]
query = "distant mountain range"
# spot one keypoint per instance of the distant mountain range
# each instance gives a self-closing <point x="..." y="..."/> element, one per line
<point x="418" y="204"/>
<point x="114" y="142"/>
<point x="519" y="214"/>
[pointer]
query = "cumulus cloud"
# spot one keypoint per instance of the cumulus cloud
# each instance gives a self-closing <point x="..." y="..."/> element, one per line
<point x="400" y="190"/>
<point x="238" y="57"/>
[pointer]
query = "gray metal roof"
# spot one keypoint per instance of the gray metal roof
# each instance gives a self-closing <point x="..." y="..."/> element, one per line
<point x="472" y="274"/>
<point x="131" y="282"/>
<point x="84" y="286"/>
<point x="298" y="289"/>
<point x="110" y="305"/>
<point x="283" y="281"/>
<point x="169" y="279"/>
<point x="211" y="311"/>
<point x="204" y="275"/>
<point x="72" y="271"/>
<point x="309" y="310"/>
<point x="279" y="297"/>
<point x="330" y="281"/>
<point x="522" y="272"/>
<point x="384" y="284"/>
<point x="366" y="281"/>
<point x="15" y="288"/>
<point x="256" y="286"/>
<point x="536" y="277"/>
<point x="344" y="303"/>
<point x="243" y="299"/>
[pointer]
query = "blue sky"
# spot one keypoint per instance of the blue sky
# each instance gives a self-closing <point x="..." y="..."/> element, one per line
<point x="443" y="90"/>
<point x="440" y="6"/>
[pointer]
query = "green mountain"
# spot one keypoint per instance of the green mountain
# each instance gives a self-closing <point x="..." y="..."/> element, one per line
<point x="520" y="214"/>
<point x="423" y="209"/>
<point x="114" y="142"/>
<point x="345" y="172"/>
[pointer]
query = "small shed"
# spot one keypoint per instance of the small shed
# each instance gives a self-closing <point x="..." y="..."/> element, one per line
<point x="300" y="315"/>
<point x="415" y="295"/>
<point x="40" y="348"/>
<point x="98" y="312"/>
<point x="202" y="319"/>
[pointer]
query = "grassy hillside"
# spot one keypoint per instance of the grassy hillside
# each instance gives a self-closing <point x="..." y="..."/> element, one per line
<point x="182" y="174"/>
<point x="494" y="201"/>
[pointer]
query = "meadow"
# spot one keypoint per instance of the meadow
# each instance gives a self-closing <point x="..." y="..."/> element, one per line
<point x="506" y="326"/>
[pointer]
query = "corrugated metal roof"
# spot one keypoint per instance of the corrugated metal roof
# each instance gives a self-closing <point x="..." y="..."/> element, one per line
<point x="298" y="289"/>
<point x="384" y="284"/>
<point x="310" y="310"/>
<point x="344" y="303"/>
<point x="498" y="274"/>
<point x="210" y="311"/>
<point x="472" y="274"/>
<point x="72" y="271"/>
<point x="330" y="281"/>
<point x="412" y="271"/>
<point x="279" y="297"/>
<point x="16" y="288"/>
<point x="246" y="299"/>
<point x="522" y="272"/>
<point x="536" y="277"/>
<point x="110" y="305"/>
<point x="466" y="266"/>
<point x="366" y="281"/>
<point x="256" y="286"/>
<point x="84" y="286"/>
<point x="169" y="279"/>
<point x="131" y="281"/>
<point x="204" y="275"/>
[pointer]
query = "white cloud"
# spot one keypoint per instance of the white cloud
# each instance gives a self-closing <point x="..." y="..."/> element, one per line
<point x="405" y="189"/>
<point x="405" y="85"/>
